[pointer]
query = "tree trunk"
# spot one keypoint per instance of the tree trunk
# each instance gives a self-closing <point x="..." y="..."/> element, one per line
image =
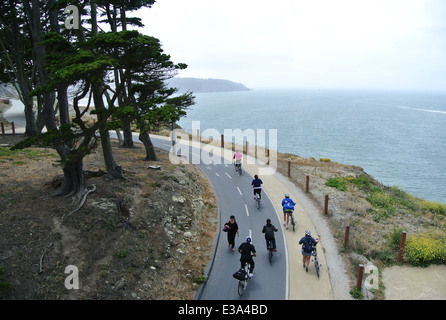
<point x="114" y="171"/>
<point x="74" y="180"/>
<point x="128" y="136"/>
<point x="145" y="139"/>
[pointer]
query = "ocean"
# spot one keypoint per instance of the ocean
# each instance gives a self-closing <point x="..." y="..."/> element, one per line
<point x="397" y="137"/>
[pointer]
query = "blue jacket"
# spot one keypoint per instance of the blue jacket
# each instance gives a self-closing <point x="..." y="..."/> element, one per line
<point x="256" y="183"/>
<point x="288" y="203"/>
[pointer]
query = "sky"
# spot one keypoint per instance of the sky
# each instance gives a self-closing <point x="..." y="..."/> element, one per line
<point x="367" y="44"/>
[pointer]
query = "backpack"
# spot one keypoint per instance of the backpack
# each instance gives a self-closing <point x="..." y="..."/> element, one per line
<point x="308" y="244"/>
<point x="288" y="204"/>
<point x="240" y="274"/>
<point x="269" y="232"/>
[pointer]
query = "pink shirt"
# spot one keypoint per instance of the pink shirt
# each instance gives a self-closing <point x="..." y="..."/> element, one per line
<point x="237" y="156"/>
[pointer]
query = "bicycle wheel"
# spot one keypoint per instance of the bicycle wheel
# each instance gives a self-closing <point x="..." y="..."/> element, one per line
<point x="316" y="265"/>
<point x="241" y="287"/>
<point x="270" y="251"/>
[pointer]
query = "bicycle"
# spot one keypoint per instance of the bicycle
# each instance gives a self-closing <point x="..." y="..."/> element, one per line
<point x="316" y="261"/>
<point x="293" y="223"/>
<point x="257" y="199"/>
<point x="270" y="249"/>
<point x="238" y="167"/>
<point x="243" y="283"/>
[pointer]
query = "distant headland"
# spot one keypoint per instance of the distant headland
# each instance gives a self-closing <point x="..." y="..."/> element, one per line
<point x="206" y="85"/>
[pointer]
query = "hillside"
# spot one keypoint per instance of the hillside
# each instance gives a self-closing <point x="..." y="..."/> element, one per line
<point x="206" y="85"/>
<point x="160" y="252"/>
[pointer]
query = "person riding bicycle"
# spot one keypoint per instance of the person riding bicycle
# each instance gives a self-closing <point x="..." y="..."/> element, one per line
<point x="269" y="230"/>
<point x="238" y="158"/>
<point x="257" y="185"/>
<point x="307" y="242"/>
<point x="245" y="249"/>
<point x="288" y="208"/>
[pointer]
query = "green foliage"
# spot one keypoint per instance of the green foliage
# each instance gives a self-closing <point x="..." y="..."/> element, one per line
<point x="356" y="293"/>
<point x="341" y="183"/>
<point x="338" y="183"/>
<point x="395" y="238"/>
<point x="121" y="254"/>
<point x="199" y="279"/>
<point x="425" y="249"/>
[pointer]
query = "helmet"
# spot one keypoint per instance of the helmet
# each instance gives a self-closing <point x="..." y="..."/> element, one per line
<point x="248" y="239"/>
<point x="307" y="232"/>
<point x="287" y="195"/>
<point x="268" y="221"/>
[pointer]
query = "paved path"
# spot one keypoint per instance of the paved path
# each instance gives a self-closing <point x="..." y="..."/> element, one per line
<point x="301" y="284"/>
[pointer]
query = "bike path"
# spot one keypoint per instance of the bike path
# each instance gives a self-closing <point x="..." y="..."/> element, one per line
<point x="235" y="197"/>
<point x="302" y="284"/>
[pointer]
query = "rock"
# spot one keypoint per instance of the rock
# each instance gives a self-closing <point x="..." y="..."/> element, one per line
<point x="178" y="199"/>
<point x="188" y="234"/>
<point x="119" y="284"/>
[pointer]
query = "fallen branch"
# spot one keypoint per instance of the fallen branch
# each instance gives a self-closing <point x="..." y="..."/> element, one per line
<point x="41" y="257"/>
<point x="84" y="198"/>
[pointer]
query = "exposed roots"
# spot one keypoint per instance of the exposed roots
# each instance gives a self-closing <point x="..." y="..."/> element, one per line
<point x="84" y="198"/>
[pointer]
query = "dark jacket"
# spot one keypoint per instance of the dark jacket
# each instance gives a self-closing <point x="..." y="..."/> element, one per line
<point x="269" y="230"/>
<point x="308" y="243"/>
<point x="246" y="249"/>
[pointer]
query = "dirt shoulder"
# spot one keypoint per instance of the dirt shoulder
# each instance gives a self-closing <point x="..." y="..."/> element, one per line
<point x="161" y="252"/>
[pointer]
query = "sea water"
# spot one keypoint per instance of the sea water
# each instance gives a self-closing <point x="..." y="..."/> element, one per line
<point x="397" y="137"/>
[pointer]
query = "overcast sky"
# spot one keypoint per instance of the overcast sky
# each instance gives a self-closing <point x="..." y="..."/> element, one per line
<point x="395" y="44"/>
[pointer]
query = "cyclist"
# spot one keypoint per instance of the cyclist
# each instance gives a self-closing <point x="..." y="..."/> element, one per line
<point x="269" y="230"/>
<point x="307" y="243"/>
<point x="288" y="208"/>
<point x="238" y="158"/>
<point x="245" y="249"/>
<point x="257" y="185"/>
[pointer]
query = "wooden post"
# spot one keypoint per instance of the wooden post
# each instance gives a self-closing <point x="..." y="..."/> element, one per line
<point x="289" y="168"/>
<point x="347" y="232"/>
<point x="247" y="147"/>
<point x="307" y="184"/>
<point x="360" y="273"/>
<point x="222" y="141"/>
<point x="402" y="244"/>
<point x="326" y="205"/>
<point x="3" y="129"/>
<point x="198" y="135"/>
<point x="13" y="128"/>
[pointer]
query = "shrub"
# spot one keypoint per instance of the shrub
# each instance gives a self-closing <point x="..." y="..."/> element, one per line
<point x="337" y="183"/>
<point x="425" y="249"/>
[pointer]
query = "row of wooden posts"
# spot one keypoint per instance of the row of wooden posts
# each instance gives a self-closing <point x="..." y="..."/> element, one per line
<point x="307" y="178"/>
<point x="325" y="211"/>
<point x="3" y="128"/>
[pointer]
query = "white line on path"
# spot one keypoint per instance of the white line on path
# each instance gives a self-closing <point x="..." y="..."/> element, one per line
<point x="239" y="191"/>
<point x="228" y="175"/>
<point x="246" y="208"/>
<point x="217" y="174"/>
